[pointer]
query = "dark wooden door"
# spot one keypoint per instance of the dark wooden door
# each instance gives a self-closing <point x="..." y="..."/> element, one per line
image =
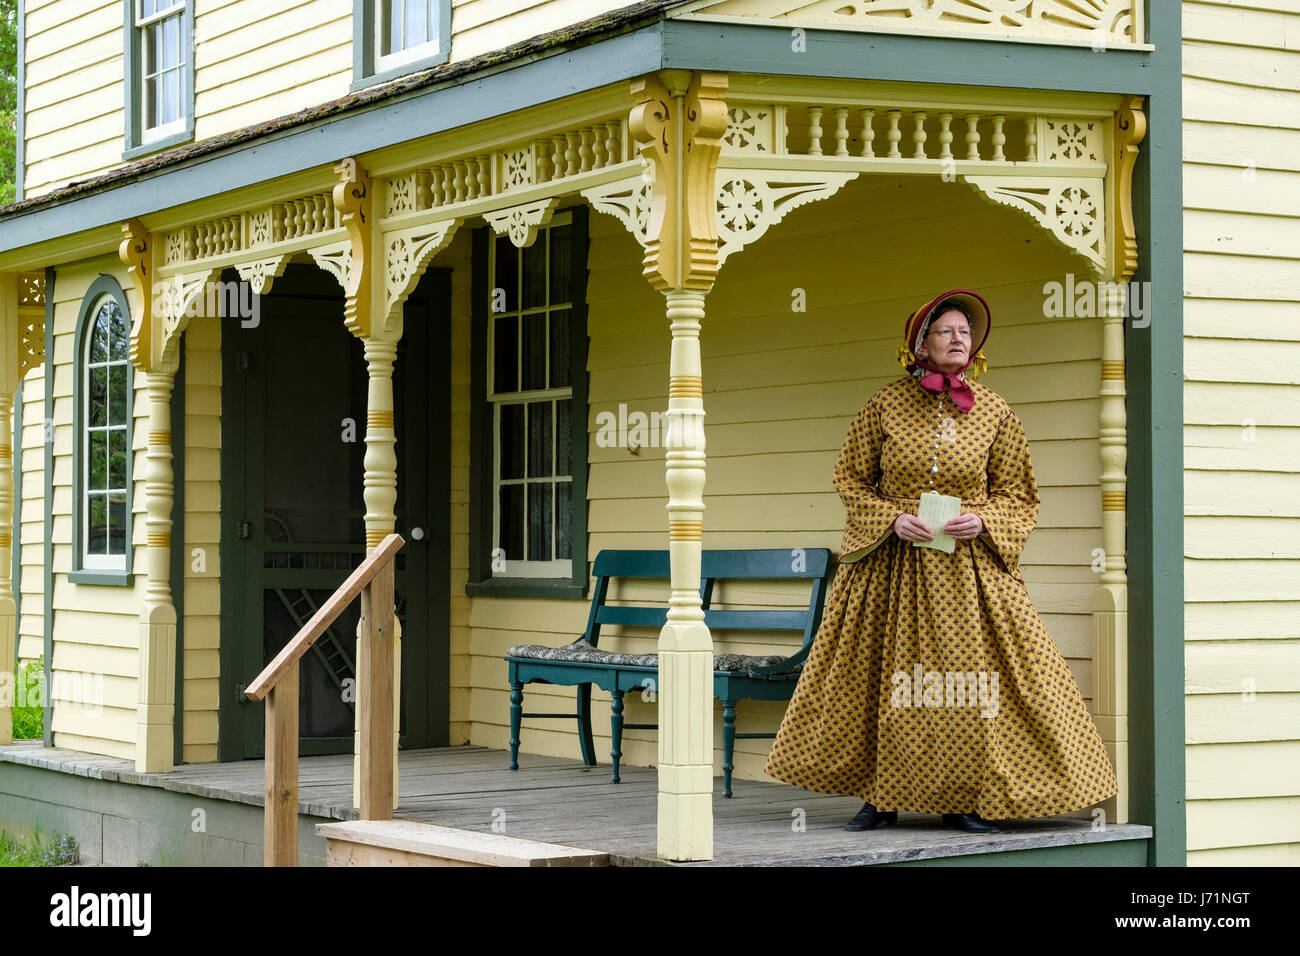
<point x="294" y="413"/>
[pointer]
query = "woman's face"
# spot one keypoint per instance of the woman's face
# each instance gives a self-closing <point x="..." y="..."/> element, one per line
<point x="947" y="342"/>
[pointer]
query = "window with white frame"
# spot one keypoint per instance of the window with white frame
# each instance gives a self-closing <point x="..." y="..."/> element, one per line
<point x="163" y="56"/>
<point x="530" y="393"/>
<point x="105" y="438"/>
<point x="406" y="30"/>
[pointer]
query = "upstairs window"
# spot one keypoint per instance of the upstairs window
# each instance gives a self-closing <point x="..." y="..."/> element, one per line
<point x="160" y="73"/>
<point x="393" y="37"/>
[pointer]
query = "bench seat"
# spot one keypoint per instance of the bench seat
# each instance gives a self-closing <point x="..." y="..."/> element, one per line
<point x="583" y="664"/>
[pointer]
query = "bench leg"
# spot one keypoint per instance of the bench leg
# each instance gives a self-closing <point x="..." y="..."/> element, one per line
<point x="616" y="728"/>
<point x="516" y="718"/>
<point x="728" y="743"/>
<point x="584" y="725"/>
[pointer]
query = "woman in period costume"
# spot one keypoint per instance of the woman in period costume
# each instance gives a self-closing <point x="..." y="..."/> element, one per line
<point x="997" y="728"/>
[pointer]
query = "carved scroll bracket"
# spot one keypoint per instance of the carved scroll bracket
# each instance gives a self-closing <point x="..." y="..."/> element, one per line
<point x="1130" y="130"/>
<point x="352" y="198"/>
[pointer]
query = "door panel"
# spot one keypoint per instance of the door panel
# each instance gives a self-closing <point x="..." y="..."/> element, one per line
<point x="294" y="413"/>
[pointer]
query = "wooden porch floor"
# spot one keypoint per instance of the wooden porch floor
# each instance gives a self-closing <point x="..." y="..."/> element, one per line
<point x="558" y="800"/>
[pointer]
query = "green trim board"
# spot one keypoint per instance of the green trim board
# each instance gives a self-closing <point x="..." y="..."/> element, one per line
<point x="20" y="125"/>
<point x="135" y="146"/>
<point x="103" y="285"/>
<point x="519" y="84"/>
<point x="363" y="46"/>
<point x="179" y="557"/>
<point x="16" y="535"/>
<point x="482" y="494"/>
<point x="1154" y="381"/>
<point x="47" y="475"/>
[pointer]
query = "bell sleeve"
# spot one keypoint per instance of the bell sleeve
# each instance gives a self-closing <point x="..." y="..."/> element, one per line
<point x="1012" y="508"/>
<point x="869" y="518"/>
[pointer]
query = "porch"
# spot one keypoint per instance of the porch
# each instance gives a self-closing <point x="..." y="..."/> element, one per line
<point x="125" y="818"/>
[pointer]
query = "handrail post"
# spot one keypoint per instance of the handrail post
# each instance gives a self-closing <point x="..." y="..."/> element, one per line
<point x="375" y="686"/>
<point x="280" y="820"/>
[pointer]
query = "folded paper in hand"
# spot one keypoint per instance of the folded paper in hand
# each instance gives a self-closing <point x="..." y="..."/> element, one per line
<point x="937" y="510"/>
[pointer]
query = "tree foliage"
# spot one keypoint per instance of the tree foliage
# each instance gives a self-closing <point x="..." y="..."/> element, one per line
<point x="8" y="96"/>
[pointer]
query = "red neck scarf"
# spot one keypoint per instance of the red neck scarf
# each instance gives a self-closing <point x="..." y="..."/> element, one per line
<point x="954" y="382"/>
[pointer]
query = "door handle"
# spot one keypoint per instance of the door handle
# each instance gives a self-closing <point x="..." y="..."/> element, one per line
<point x="417" y="534"/>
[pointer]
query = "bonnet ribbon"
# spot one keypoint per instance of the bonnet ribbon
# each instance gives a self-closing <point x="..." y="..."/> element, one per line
<point x="935" y="382"/>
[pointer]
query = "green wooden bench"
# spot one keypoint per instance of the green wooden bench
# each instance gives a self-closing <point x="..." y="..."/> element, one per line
<point x="736" y="677"/>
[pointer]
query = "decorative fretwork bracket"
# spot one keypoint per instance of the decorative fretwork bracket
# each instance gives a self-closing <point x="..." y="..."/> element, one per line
<point x="406" y="254"/>
<point x="1073" y="210"/>
<point x="521" y="222"/>
<point x="335" y="259"/>
<point x="31" y="322"/>
<point x="260" y="273"/>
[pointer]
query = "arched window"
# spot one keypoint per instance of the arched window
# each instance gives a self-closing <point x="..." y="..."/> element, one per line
<point x="102" y="453"/>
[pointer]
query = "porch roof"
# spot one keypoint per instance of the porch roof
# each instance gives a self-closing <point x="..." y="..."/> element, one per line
<point x="629" y="42"/>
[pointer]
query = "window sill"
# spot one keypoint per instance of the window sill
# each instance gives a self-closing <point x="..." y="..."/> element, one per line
<point x="115" y="579"/>
<point x="415" y="66"/>
<point x="158" y="145"/>
<point x="527" y="587"/>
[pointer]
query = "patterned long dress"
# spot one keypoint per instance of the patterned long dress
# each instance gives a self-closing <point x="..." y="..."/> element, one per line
<point x="933" y="686"/>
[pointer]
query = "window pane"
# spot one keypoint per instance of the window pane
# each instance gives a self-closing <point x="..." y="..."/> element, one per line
<point x="561" y="238"/>
<point x="417" y="28"/>
<point x="539" y="440"/>
<point x="170" y="107"/>
<point x="116" y="393"/>
<point x="393" y="25"/>
<point x="564" y="437"/>
<point x="97" y="532"/>
<point x="535" y="351"/>
<point x="561" y="359"/>
<point x="99" y="333"/>
<point x="98" y="397"/>
<point x="117" y="523"/>
<point x="152" y="49"/>
<point x="117" y="453"/>
<point x="505" y="294"/>
<point x="505" y="347"/>
<point x="539" y="521"/>
<point x="171" y="42"/>
<point x="512" y="522"/>
<point x="118" y="335"/>
<point x="149" y="7"/>
<point x="512" y="441"/>
<point x="97" y="461"/>
<point x="563" y="518"/>
<point x="535" y="274"/>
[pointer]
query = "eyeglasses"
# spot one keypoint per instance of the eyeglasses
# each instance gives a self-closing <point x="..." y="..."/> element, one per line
<point x="951" y="333"/>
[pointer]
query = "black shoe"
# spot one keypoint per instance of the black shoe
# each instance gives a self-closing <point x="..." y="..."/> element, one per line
<point x="970" y="822"/>
<point x="868" y="818"/>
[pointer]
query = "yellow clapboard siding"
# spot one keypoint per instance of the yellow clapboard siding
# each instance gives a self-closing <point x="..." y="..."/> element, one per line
<point x="1219" y="143"/>
<point x="1277" y="854"/>
<point x="1234" y="234"/>
<point x="1221" y="718"/>
<point x="1222" y="403"/>
<point x="1246" y="822"/>
<point x="499" y="23"/>
<point x="1226" y="189"/>
<point x="1219" y="668"/>
<point x="1242" y="579"/>
<point x="1273" y="69"/>
<point x="1242" y="620"/>
<point x="1232" y="537"/>
<point x="1254" y="769"/>
<point x="122" y="747"/>
<point x="1234" y="24"/>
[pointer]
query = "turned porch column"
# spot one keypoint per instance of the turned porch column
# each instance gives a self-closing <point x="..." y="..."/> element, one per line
<point x="678" y="122"/>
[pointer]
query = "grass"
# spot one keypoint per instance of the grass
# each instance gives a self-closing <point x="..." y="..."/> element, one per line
<point x="29" y="722"/>
<point x="59" y="849"/>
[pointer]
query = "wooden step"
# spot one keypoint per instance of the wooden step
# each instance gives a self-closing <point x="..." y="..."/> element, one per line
<point x="410" y="843"/>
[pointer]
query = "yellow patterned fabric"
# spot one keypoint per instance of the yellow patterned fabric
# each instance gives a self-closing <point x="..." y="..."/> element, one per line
<point x="882" y="710"/>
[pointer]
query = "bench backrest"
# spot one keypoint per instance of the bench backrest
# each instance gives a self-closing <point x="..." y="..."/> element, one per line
<point x="769" y="564"/>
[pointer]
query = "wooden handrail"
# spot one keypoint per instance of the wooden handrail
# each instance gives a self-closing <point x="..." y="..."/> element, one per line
<point x="328" y="613"/>
<point x="278" y="683"/>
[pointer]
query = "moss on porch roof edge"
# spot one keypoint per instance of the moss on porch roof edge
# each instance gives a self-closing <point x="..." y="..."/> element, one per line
<point x="599" y="27"/>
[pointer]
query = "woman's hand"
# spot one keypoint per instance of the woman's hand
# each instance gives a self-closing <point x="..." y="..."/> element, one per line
<point x="965" y="527"/>
<point x="912" y="528"/>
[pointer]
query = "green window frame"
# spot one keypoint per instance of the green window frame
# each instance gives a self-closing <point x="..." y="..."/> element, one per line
<point x="103" y="433"/>
<point x="391" y="38"/>
<point x="159" y="52"/>
<point x="528" y="418"/>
